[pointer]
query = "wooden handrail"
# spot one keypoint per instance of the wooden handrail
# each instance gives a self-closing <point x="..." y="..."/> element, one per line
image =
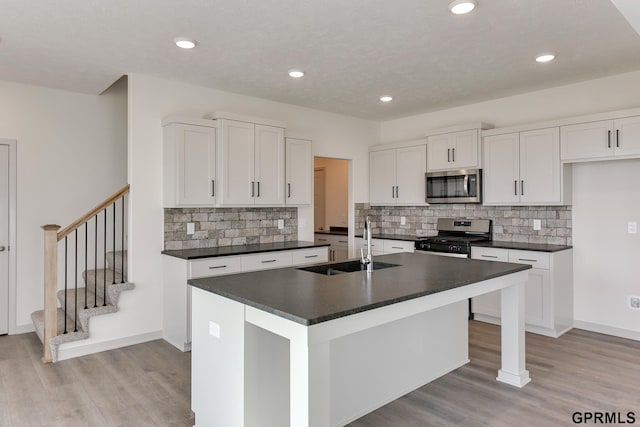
<point x="86" y="217"/>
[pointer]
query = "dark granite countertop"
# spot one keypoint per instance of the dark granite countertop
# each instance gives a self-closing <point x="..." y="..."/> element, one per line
<point x="309" y="298"/>
<point x="240" y="249"/>
<point x="539" y="247"/>
<point x="392" y="237"/>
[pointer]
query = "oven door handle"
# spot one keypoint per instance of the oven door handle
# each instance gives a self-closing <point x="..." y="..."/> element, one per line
<point x="466" y="185"/>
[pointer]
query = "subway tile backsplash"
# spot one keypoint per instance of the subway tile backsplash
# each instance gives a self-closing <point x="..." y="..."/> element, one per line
<point x="216" y="227"/>
<point x="510" y="223"/>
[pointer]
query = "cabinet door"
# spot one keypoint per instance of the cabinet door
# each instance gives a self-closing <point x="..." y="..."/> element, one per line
<point x="236" y="163"/>
<point x="465" y="150"/>
<point x="538" y="299"/>
<point x="299" y="171"/>
<point x="195" y="165"/>
<point x="411" y="165"/>
<point x="269" y="165"/>
<point x="627" y="141"/>
<point x="501" y="169"/>
<point x="439" y="152"/>
<point x="382" y="177"/>
<point x="540" y="166"/>
<point x="587" y="140"/>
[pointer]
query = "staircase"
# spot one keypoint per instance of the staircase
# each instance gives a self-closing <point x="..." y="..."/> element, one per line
<point x="92" y="250"/>
<point x="77" y="316"/>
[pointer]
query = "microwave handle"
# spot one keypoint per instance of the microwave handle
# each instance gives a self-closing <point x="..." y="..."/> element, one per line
<point x="466" y="185"/>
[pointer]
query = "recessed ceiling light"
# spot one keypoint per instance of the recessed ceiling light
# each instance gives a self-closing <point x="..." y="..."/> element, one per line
<point x="296" y="74"/>
<point x="545" y="57"/>
<point x="386" y="98"/>
<point x="185" y="43"/>
<point x="460" y="7"/>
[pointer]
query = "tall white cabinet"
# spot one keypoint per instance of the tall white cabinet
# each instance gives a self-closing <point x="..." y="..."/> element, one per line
<point x="523" y="168"/>
<point x="299" y="171"/>
<point x="250" y="164"/>
<point x="396" y="175"/>
<point x="189" y="163"/>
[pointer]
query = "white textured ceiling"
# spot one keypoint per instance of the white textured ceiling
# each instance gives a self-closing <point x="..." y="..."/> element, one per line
<point x="353" y="50"/>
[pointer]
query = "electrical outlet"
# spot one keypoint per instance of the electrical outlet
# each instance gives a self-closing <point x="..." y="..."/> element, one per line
<point x="632" y="227"/>
<point x="403" y="220"/>
<point x="634" y="302"/>
<point x="214" y="329"/>
<point x="537" y="224"/>
<point x="191" y="228"/>
<point x="280" y="224"/>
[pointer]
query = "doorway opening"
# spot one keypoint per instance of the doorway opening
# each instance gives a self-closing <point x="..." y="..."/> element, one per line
<point x="7" y="236"/>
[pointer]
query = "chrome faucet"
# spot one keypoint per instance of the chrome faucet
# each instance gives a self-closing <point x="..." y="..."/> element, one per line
<point x="368" y="259"/>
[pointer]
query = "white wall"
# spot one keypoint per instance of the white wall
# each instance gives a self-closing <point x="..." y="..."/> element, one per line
<point x="71" y="154"/>
<point x="151" y="99"/>
<point x="336" y="186"/>
<point x="596" y="302"/>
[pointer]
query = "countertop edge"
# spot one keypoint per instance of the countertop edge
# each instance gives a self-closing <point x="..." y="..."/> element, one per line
<point x="191" y="254"/>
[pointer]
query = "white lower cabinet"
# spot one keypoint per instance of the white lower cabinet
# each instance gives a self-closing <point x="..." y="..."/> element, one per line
<point x="339" y="249"/>
<point x="176" y="326"/>
<point x="548" y="292"/>
<point x="384" y="246"/>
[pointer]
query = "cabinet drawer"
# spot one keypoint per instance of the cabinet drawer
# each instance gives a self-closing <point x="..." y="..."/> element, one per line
<point x="265" y="261"/>
<point x="395" y="246"/>
<point x="309" y="256"/>
<point x="214" y="266"/>
<point x="533" y="258"/>
<point x="490" y="254"/>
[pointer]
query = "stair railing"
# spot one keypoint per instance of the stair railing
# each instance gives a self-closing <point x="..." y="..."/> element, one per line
<point x="106" y="213"/>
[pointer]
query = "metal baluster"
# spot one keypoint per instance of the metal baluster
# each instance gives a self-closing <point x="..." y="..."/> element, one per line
<point x="122" y="246"/>
<point x="114" y="244"/>
<point x="104" y="261"/>
<point x="65" y="285"/>
<point x="95" y="263"/>
<point x="86" y="240"/>
<point x="75" y="274"/>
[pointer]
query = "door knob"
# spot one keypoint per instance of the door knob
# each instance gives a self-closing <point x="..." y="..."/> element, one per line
<point x="2" y="248"/>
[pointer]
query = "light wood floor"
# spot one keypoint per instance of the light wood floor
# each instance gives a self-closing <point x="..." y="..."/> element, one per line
<point x="149" y="385"/>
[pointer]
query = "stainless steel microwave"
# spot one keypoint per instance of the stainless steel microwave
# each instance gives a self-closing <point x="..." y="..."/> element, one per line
<point x="460" y="186"/>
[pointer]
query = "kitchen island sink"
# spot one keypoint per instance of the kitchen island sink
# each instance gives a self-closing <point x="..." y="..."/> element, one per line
<point x="346" y="267"/>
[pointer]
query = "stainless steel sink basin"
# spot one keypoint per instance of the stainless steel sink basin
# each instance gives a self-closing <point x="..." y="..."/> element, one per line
<point x="345" y="267"/>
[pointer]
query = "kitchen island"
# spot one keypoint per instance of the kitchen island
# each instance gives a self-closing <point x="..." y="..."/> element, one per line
<point x="293" y="347"/>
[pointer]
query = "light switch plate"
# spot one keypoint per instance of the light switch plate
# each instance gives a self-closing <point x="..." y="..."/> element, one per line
<point x="632" y="227"/>
<point x="537" y="224"/>
<point x="280" y="224"/>
<point x="403" y="220"/>
<point x="214" y="329"/>
<point x="191" y="228"/>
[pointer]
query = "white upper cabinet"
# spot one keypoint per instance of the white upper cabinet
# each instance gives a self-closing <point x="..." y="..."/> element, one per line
<point x="523" y="168"/>
<point x="299" y="171"/>
<point x="601" y="140"/>
<point x="453" y="151"/>
<point x="189" y="164"/>
<point x="397" y="176"/>
<point x="251" y="164"/>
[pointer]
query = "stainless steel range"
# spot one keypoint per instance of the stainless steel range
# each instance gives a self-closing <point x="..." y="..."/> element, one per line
<point x="455" y="237"/>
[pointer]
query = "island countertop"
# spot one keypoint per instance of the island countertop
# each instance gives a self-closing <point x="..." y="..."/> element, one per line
<point x="309" y="298"/>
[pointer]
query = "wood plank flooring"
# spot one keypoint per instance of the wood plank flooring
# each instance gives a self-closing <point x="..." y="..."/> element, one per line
<point x="149" y="385"/>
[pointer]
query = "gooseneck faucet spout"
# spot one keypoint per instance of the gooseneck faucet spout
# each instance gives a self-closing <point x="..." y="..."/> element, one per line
<point x="368" y="259"/>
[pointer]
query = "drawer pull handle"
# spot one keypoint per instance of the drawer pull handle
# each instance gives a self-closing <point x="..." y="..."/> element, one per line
<point x="528" y="260"/>
<point x="311" y="256"/>
<point x="217" y="266"/>
<point x="397" y="247"/>
<point x="342" y="241"/>
<point x="322" y="240"/>
<point x="268" y="260"/>
<point x="490" y="256"/>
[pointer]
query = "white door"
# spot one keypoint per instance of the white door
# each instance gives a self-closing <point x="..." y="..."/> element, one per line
<point x="299" y="164"/>
<point x="411" y="166"/>
<point x="501" y="169"/>
<point x="587" y="140"/>
<point x="627" y="136"/>
<point x="196" y="146"/>
<point x="269" y="165"/>
<point x="382" y="177"/>
<point x="540" y="166"/>
<point x="319" y="199"/>
<point x="464" y="153"/>
<point x="236" y="162"/>
<point x="4" y="239"/>
<point x="439" y="152"/>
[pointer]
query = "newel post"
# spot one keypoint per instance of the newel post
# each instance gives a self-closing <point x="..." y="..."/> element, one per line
<point x="50" y="287"/>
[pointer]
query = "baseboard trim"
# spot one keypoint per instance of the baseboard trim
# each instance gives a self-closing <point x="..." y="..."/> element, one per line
<point x="608" y="330"/>
<point x="25" y="329"/>
<point x="90" y="348"/>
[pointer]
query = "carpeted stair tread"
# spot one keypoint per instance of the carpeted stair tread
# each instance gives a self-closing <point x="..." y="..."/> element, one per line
<point x="117" y="259"/>
<point x="102" y="277"/>
<point x="38" y="321"/>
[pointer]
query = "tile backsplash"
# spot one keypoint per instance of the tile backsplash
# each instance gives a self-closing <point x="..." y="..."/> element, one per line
<point x="216" y="227"/>
<point x="510" y="223"/>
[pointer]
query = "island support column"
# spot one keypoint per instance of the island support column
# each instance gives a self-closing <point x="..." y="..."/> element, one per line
<point x="513" y="337"/>
<point x="310" y="383"/>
